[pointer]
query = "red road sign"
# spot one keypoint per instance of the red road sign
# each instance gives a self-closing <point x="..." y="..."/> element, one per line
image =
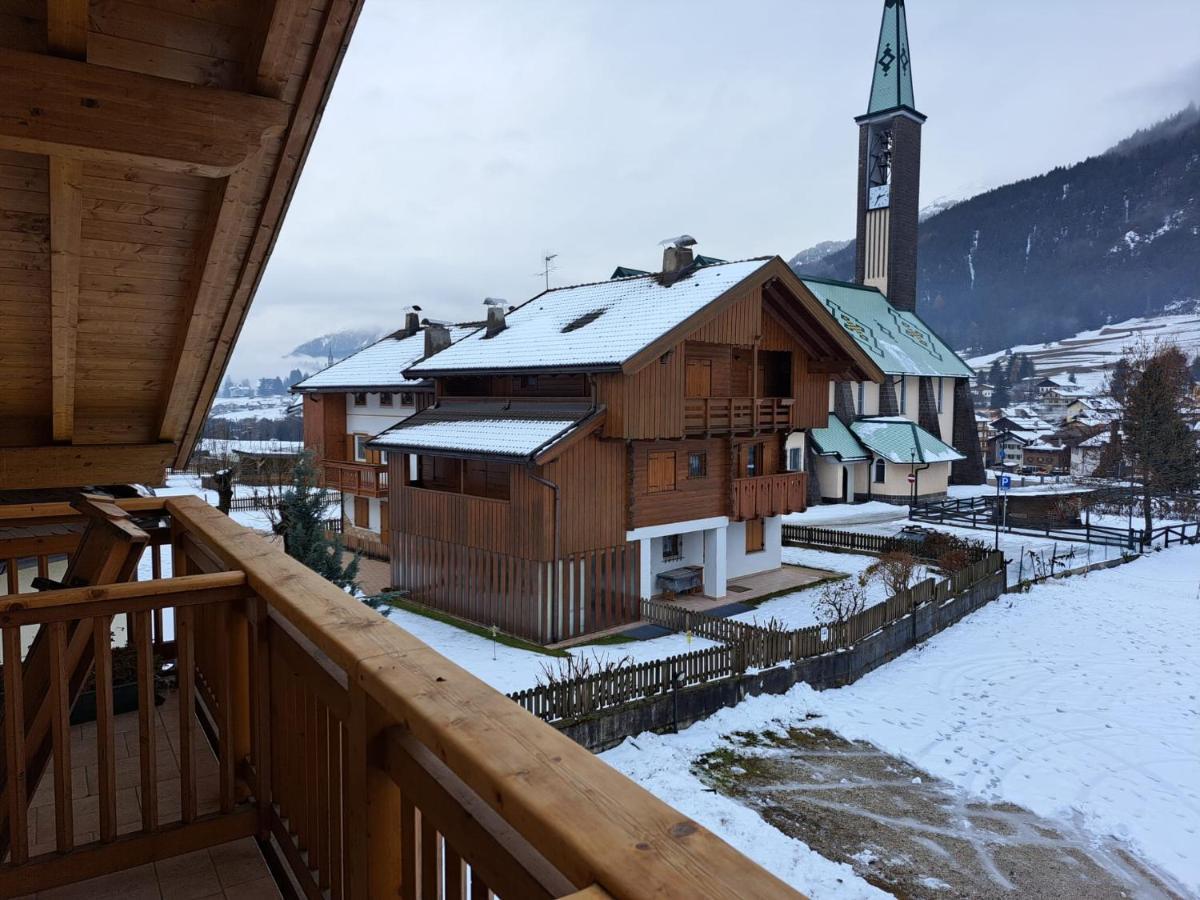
<point x="912" y="479"/>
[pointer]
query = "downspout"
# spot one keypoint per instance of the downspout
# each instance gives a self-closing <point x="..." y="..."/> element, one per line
<point x="554" y="577"/>
<point x="916" y="470"/>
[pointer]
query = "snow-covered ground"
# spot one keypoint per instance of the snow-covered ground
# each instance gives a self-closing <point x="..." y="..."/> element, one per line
<point x="1090" y="354"/>
<point x="833" y="514"/>
<point x="238" y="408"/>
<point x="799" y="609"/>
<point x="1077" y="700"/>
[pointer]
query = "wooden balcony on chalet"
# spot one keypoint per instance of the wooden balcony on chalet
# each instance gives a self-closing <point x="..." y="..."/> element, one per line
<point x="361" y="762"/>
<point x="358" y="478"/>
<point x="769" y="495"/>
<point x="704" y="416"/>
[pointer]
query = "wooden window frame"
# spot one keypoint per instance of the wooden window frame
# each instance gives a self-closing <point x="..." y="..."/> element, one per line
<point x="697" y="464"/>
<point x="407" y="398"/>
<point x="672" y="547"/>
<point x="385" y="398"/>
<point x="356" y="402"/>
<point x="653" y="469"/>
<point x="355" y="438"/>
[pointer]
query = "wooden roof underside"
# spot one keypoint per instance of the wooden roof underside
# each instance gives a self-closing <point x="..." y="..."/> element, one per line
<point x="148" y="152"/>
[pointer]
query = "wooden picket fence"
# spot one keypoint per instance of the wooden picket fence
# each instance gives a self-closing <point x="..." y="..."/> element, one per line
<point x="743" y="647"/>
<point x="842" y="540"/>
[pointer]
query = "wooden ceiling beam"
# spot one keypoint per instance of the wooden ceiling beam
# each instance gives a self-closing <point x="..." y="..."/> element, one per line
<point x="64" y="107"/>
<point x="71" y="466"/>
<point x="66" y="35"/>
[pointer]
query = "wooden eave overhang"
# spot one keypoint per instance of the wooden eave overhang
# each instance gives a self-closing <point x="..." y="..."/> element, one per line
<point x="151" y="159"/>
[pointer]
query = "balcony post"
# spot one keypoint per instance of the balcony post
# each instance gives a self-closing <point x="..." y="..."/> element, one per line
<point x="374" y="847"/>
<point x="260" y="623"/>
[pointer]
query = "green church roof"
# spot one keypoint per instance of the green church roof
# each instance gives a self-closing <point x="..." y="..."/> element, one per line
<point x="836" y="440"/>
<point x="902" y="441"/>
<point x="892" y="87"/>
<point x="899" y="342"/>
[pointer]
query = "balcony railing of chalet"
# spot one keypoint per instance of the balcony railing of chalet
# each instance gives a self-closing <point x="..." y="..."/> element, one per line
<point x="360" y="479"/>
<point x="378" y="766"/>
<point x="717" y="415"/>
<point x="769" y="495"/>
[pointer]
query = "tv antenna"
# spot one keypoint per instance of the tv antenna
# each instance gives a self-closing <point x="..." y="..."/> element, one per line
<point x="548" y="267"/>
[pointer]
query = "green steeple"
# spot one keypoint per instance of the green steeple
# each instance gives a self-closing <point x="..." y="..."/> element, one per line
<point x="892" y="88"/>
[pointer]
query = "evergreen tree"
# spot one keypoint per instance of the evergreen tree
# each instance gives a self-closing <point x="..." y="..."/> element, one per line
<point x="1195" y="369"/>
<point x="294" y="377"/>
<point x="301" y="514"/>
<point x="1159" y="446"/>
<point x="996" y="374"/>
<point x="1027" y="368"/>
<point x="1000" y="396"/>
<point x="1118" y="381"/>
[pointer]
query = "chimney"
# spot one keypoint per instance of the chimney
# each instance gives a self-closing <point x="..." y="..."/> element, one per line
<point x="412" y="323"/>
<point x="437" y="337"/>
<point x="676" y="259"/>
<point x="495" y="316"/>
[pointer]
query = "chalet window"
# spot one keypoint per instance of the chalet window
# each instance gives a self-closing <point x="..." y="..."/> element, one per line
<point x="754" y="453"/>
<point x="697" y="465"/>
<point x="360" y="398"/>
<point x="880" y="471"/>
<point x="527" y="382"/>
<point x="385" y="398"/>
<point x="795" y="459"/>
<point x="660" y="472"/>
<point x="755" y="539"/>
<point x="360" y="447"/>
<point x="362" y="512"/>
<point x="406" y="398"/>
<point x="672" y="547"/>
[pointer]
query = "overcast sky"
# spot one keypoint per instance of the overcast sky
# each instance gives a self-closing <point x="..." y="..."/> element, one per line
<point x="463" y="140"/>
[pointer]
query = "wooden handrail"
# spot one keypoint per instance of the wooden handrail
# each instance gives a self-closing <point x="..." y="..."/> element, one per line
<point x="591" y="823"/>
<point x="11" y="512"/>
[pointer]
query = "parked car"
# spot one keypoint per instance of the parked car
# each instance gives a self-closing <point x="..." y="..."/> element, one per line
<point x="1027" y="470"/>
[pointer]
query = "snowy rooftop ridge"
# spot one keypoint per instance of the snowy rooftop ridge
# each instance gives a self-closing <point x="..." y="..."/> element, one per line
<point x="599" y="325"/>
<point x="379" y="366"/>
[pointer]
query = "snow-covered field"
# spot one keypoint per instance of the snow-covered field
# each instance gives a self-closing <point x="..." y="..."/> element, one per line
<point x="1090" y="353"/>
<point x="1077" y="700"/>
<point x="237" y="408"/>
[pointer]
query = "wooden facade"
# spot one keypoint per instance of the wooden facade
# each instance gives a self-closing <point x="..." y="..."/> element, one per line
<point x="693" y="431"/>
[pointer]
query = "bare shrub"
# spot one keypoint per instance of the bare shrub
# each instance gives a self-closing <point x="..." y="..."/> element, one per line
<point x="838" y="601"/>
<point x="894" y="569"/>
<point x="566" y="669"/>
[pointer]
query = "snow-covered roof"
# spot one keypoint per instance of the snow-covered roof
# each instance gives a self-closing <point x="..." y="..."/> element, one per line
<point x="376" y="367"/>
<point x="515" y="431"/>
<point x="899" y="342"/>
<point x="900" y="440"/>
<point x="589" y="326"/>
<point x="835" y="439"/>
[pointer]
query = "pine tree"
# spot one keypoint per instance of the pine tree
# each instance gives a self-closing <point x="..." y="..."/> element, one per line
<point x="1072" y="379"/>
<point x="1027" y="368"/>
<point x="1118" y="381"/>
<point x="1158" y="443"/>
<point x="1195" y="369"/>
<point x="1000" y="396"/>
<point x="996" y="374"/>
<point x="301" y="514"/>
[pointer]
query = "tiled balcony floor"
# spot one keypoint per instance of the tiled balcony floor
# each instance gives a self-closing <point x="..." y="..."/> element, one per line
<point x="233" y="870"/>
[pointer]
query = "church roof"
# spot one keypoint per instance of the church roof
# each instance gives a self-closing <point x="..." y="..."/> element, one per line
<point x="891" y="86"/>
<point x="900" y="343"/>
<point x="899" y="440"/>
<point x="835" y="439"/>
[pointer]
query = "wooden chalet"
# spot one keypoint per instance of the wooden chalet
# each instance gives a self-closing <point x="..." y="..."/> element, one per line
<point x="148" y="150"/>
<point x="356" y="398"/>
<point x="606" y="442"/>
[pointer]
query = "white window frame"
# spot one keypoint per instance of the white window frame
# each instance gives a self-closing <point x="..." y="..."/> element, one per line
<point x="360" y="447"/>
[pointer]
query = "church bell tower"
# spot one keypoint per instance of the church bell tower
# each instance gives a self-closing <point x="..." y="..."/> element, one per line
<point x="889" y="169"/>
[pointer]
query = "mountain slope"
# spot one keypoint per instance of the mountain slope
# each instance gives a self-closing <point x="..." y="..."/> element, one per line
<point x="1110" y="238"/>
<point x="341" y="344"/>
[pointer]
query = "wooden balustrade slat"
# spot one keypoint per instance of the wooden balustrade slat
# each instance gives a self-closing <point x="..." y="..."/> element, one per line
<point x="60" y="731"/>
<point x="14" y="748"/>
<point x="431" y="857"/>
<point x="226" y="756"/>
<point x="408" y="848"/>
<point x="263" y="749"/>
<point x="454" y="872"/>
<point x="147" y="716"/>
<point x="106" y="759"/>
<point x="186" y="666"/>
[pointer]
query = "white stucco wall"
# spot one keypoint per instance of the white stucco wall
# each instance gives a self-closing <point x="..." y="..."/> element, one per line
<point x="933" y="480"/>
<point x="373" y="418"/>
<point x="743" y="563"/>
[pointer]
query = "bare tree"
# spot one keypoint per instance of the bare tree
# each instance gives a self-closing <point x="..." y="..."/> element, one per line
<point x="894" y="569"/>
<point x="838" y="601"/>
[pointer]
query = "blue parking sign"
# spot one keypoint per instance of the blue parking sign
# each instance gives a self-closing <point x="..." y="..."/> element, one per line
<point x="1005" y="482"/>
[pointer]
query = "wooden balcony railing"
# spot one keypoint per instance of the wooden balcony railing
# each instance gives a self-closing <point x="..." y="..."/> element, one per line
<point x="360" y="479"/>
<point x="769" y="495"/>
<point x="721" y="415"/>
<point x="378" y="767"/>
